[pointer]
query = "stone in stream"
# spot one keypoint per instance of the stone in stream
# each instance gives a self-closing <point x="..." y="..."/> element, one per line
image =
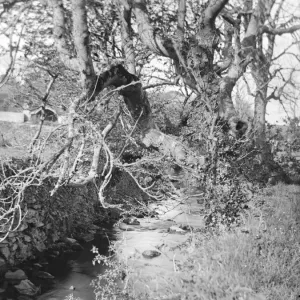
<point x="186" y="227"/>
<point x="87" y="238"/>
<point x="131" y="221"/>
<point x="74" y="244"/>
<point x="16" y="275"/>
<point x="151" y="253"/>
<point x="126" y="227"/>
<point x="44" y="275"/>
<point x="71" y="241"/>
<point x="26" y="287"/>
<point x="176" y="229"/>
<point x="38" y="266"/>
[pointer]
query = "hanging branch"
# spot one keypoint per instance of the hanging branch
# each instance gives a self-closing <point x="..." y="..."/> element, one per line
<point x="43" y="111"/>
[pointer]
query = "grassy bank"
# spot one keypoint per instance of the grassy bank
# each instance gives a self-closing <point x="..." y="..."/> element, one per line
<point x="15" y="139"/>
<point x="257" y="261"/>
<point x="260" y="258"/>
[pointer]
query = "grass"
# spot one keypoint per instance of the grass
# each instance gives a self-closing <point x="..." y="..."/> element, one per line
<point x="258" y="261"/>
<point x="16" y="137"/>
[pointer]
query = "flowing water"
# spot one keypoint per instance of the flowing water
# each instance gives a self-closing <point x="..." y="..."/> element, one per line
<point x="74" y="273"/>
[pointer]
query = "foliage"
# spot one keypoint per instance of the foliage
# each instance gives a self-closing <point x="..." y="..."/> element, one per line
<point x="107" y="285"/>
<point x="257" y="260"/>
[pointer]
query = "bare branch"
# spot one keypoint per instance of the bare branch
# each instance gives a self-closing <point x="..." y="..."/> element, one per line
<point x="181" y="20"/>
<point x="82" y="43"/>
<point x="213" y="9"/>
<point x="150" y="86"/>
<point x="13" y="57"/>
<point x="157" y="44"/>
<point x="43" y="114"/>
<point x="59" y="34"/>
<point x="126" y="32"/>
<point x="280" y="31"/>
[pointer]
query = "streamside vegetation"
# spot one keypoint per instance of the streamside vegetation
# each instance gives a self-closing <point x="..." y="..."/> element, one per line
<point x="148" y="101"/>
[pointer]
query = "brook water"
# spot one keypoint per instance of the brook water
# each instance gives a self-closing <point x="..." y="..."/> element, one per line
<point x="74" y="272"/>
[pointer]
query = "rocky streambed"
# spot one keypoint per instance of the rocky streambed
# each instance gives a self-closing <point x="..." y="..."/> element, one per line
<point x="62" y="270"/>
<point x="151" y="247"/>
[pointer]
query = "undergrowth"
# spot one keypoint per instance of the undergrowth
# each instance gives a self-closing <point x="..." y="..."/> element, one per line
<point x="257" y="260"/>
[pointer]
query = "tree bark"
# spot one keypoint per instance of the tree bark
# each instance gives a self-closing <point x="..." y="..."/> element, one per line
<point x="134" y="96"/>
<point x="260" y="118"/>
<point x="81" y="41"/>
<point x="194" y="59"/>
<point x="126" y="33"/>
<point x="60" y="36"/>
<point x="137" y="103"/>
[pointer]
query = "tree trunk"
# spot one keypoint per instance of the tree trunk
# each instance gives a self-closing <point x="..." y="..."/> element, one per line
<point x="81" y="41"/>
<point x="60" y="36"/>
<point x="126" y="33"/>
<point x="136" y="100"/>
<point x="260" y="118"/>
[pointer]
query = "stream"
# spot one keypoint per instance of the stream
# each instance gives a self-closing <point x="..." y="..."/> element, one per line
<point x="74" y="272"/>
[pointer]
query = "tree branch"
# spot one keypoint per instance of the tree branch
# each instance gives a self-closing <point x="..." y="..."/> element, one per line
<point x="157" y="44"/>
<point x="59" y="34"/>
<point x="213" y="9"/>
<point x="42" y="119"/>
<point x="82" y="45"/>
<point x="280" y="31"/>
<point x="181" y="19"/>
<point x="126" y="33"/>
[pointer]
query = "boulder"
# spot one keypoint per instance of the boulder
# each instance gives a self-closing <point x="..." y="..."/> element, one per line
<point x="5" y="252"/>
<point x="176" y="229"/>
<point x="23" y="226"/>
<point x="44" y="275"/>
<point x="16" y="275"/>
<point x="31" y="215"/>
<point x="87" y="238"/>
<point x="39" y="224"/>
<point x="38" y="266"/>
<point x="26" y="287"/>
<point x="27" y="238"/>
<point x="14" y="247"/>
<point x="186" y="227"/>
<point x="151" y="253"/>
<point x="40" y="246"/>
<point x="71" y="241"/>
<point x="3" y="266"/>
<point x="4" y="243"/>
<point x="131" y="221"/>
<point x="126" y="227"/>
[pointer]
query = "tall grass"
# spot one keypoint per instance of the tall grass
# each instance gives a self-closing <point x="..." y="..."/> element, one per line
<point x="260" y="260"/>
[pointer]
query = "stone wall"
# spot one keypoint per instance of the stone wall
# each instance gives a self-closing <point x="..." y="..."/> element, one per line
<point x="49" y="220"/>
<point x="70" y="212"/>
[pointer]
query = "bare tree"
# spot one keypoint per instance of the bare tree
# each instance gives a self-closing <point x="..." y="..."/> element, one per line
<point x="276" y="19"/>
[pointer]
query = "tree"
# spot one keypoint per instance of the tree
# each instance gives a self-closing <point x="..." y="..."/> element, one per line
<point x="210" y="46"/>
<point x="268" y="69"/>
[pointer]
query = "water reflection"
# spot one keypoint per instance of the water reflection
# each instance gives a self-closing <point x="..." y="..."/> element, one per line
<point x="74" y="272"/>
